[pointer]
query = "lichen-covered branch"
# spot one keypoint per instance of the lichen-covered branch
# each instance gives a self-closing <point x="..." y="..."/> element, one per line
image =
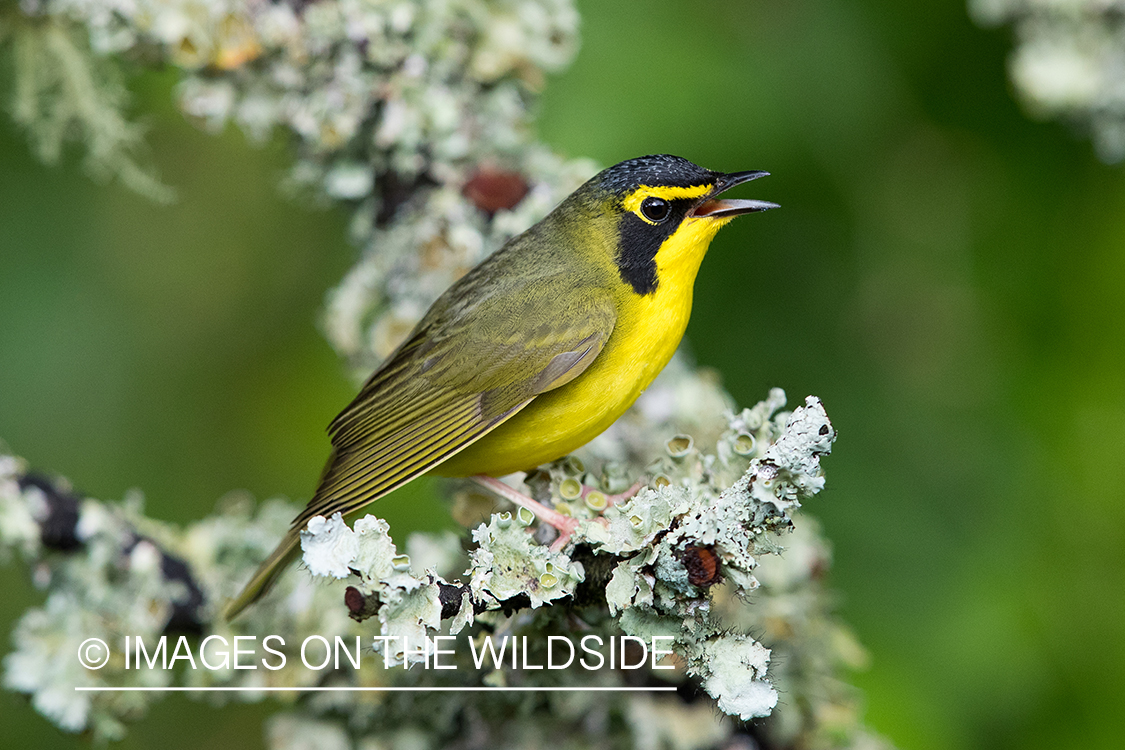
<point x="415" y="114"/>
<point x="63" y="93"/>
<point x="678" y="561"/>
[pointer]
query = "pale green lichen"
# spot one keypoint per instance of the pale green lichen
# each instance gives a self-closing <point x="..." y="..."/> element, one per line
<point x="115" y="587"/>
<point x="653" y="590"/>
<point x="409" y="610"/>
<point x="330" y="547"/>
<point x="735" y="675"/>
<point x="409" y="617"/>
<point x="397" y="108"/>
<point x="35" y="667"/>
<point x="632" y="524"/>
<point x="676" y="725"/>
<point x="508" y="562"/>
<point x="647" y="591"/>
<point x="20" y="514"/>
<point x="62" y="94"/>
<point x="629" y="586"/>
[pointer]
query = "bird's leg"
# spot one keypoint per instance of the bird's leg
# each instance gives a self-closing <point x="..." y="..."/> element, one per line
<point x="611" y="499"/>
<point x="565" y="524"/>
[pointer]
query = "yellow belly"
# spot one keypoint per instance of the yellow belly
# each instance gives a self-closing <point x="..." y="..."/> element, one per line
<point x="560" y="421"/>
<point x="646" y="334"/>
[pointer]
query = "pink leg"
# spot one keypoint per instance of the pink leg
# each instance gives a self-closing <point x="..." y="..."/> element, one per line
<point x="565" y="524"/>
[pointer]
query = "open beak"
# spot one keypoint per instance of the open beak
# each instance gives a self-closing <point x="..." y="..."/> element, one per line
<point x="713" y="208"/>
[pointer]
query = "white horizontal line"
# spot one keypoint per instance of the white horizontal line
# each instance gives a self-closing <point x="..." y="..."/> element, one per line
<point x="478" y="689"/>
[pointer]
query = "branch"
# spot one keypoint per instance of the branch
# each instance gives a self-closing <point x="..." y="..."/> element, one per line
<point x="416" y="116"/>
<point x="666" y="547"/>
<point x="680" y="559"/>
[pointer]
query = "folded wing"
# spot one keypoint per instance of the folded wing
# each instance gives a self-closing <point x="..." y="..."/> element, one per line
<point x="471" y="363"/>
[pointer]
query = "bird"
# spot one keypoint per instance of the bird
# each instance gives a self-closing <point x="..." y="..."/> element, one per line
<point x="536" y="350"/>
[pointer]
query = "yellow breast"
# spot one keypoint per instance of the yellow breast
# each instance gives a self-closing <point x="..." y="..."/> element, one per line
<point x="648" y="330"/>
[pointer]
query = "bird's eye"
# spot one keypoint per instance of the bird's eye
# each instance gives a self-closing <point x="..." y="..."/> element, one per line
<point x="655" y="210"/>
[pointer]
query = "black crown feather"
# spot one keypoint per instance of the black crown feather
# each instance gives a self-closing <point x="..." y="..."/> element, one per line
<point x="657" y="169"/>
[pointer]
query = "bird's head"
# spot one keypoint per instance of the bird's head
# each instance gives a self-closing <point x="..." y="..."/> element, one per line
<point x="665" y="210"/>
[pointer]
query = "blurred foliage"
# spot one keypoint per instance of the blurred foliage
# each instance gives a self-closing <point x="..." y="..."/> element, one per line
<point x="62" y="93"/>
<point x="957" y="276"/>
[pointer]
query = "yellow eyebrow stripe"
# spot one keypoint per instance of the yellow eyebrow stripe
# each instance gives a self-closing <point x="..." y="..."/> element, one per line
<point x="667" y="192"/>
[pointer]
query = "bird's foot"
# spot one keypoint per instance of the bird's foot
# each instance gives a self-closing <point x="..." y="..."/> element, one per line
<point x="564" y="524"/>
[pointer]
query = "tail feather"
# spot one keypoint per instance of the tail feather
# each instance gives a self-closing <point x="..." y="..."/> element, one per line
<point x="266" y="575"/>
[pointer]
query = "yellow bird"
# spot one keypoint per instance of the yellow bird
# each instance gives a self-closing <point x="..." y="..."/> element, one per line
<point x="536" y="350"/>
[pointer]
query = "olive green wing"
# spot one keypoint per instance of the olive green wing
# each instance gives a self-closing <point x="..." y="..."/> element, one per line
<point x="474" y="361"/>
<point x="482" y="353"/>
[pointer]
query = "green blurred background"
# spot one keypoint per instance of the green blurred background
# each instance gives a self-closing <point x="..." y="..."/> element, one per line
<point x="945" y="273"/>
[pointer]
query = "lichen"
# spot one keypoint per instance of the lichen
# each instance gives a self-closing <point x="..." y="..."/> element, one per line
<point x="1068" y="62"/>
<point x="64" y="93"/>
<point x="507" y="563"/>
<point x="510" y="586"/>
<point x="415" y="115"/>
<point x="651" y="590"/>
<point x="409" y="610"/>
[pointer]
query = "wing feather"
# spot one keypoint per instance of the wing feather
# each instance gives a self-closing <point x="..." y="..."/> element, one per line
<point x="431" y="429"/>
<point x="477" y="358"/>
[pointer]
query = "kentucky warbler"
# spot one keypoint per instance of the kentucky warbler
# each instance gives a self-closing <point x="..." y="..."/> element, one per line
<point x="535" y="351"/>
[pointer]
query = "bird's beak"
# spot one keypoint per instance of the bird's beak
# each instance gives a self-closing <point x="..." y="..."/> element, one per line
<point x="713" y="208"/>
